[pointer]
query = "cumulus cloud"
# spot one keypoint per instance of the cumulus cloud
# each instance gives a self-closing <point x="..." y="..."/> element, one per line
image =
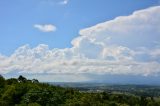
<point x="41" y="60"/>
<point x="117" y="47"/>
<point x="128" y="30"/>
<point x="45" y="27"/>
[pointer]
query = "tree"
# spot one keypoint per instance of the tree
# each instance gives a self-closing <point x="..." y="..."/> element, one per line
<point x="34" y="104"/>
<point x="22" y="79"/>
<point x="35" y="81"/>
<point x="11" y="81"/>
<point x="2" y="82"/>
<point x="7" y="96"/>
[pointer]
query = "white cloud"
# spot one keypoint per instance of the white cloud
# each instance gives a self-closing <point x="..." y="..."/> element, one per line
<point x="41" y="60"/>
<point x="54" y="2"/>
<point x="128" y="30"/>
<point x="45" y="27"/>
<point x="112" y="47"/>
<point x="64" y="2"/>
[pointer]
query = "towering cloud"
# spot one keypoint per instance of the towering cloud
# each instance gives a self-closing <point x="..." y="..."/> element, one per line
<point x="126" y="45"/>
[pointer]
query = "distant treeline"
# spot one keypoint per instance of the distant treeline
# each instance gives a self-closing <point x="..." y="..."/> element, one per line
<point x="23" y="92"/>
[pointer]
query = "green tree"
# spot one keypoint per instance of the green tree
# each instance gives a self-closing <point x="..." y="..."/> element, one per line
<point x="2" y="82"/>
<point x="34" y="104"/>
<point x="11" y="81"/>
<point x="22" y="79"/>
<point x="7" y="97"/>
<point x="35" y="81"/>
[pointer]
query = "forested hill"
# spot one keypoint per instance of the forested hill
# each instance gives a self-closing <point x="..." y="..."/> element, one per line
<point x="24" y="92"/>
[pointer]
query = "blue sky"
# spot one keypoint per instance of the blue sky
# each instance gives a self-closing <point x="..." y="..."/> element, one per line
<point x="18" y="18"/>
<point x="80" y="40"/>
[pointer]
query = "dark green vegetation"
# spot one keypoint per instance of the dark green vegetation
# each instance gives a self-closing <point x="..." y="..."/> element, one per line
<point x="23" y="92"/>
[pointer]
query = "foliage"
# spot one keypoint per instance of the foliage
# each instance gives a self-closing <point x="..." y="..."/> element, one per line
<point x="24" y="92"/>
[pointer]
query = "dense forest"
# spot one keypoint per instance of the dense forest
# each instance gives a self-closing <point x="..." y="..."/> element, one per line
<point x="23" y="92"/>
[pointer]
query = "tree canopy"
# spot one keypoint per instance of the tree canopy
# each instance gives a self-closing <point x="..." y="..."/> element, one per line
<point x="24" y="92"/>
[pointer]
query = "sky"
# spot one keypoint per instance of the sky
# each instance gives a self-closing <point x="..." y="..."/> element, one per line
<point x="80" y="40"/>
